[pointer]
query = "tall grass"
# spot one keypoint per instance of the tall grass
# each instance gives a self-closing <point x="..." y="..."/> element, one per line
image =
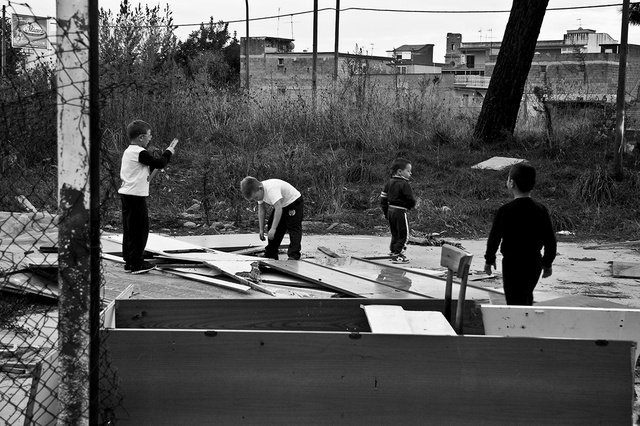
<point x="337" y="150"/>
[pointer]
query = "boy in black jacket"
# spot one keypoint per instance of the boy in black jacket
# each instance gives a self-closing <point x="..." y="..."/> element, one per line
<point x="395" y="200"/>
<point x="524" y="227"/>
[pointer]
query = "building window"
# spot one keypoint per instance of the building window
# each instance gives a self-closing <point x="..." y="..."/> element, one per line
<point x="280" y="62"/>
<point x="471" y="61"/>
<point x="403" y="70"/>
<point x="543" y="68"/>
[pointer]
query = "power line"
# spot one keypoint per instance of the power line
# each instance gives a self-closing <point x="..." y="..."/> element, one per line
<point x="368" y="9"/>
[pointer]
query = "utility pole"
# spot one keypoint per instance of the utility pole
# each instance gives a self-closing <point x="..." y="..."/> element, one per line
<point x="246" y="48"/>
<point x="4" y="40"/>
<point x="314" y="70"/>
<point x="336" y="57"/>
<point x="620" y="100"/>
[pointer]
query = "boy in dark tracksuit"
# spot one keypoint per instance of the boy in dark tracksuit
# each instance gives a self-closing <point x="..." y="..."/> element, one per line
<point x="524" y="227"/>
<point x="395" y="200"/>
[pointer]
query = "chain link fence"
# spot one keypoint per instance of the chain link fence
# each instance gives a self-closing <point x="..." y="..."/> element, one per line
<point x="45" y="305"/>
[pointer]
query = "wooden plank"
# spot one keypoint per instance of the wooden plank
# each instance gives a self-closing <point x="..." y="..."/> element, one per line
<point x="302" y="293"/>
<point x="195" y="377"/>
<point x="227" y="242"/>
<point x="210" y="280"/>
<point x="397" y="278"/>
<point x="565" y="322"/>
<point x="43" y="406"/>
<point x="579" y="301"/>
<point x="175" y="249"/>
<point x="625" y="269"/>
<point x="30" y="283"/>
<point x="276" y="277"/>
<point x="394" y="319"/>
<point x="497" y="163"/>
<point x="337" y="280"/>
<point x="429" y="273"/>
<point x="270" y="314"/>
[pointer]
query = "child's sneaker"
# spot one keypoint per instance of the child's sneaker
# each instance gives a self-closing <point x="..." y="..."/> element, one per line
<point x="144" y="267"/>
<point x="127" y="267"/>
<point x="400" y="258"/>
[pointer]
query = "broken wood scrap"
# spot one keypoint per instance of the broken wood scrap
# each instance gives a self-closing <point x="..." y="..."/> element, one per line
<point x="625" y="269"/>
<point x="231" y="268"/>
<point x="190" y="269"/>
<point x="302" y="293"/>
<point x="276" y="277"/>
<point x="432" y="241"/>
<point x="248" y="250"/>
<point x="613" y="245"/>
<point x="328" y="252"/>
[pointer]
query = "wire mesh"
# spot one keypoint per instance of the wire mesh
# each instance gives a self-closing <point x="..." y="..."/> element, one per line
<point x="30" y="288"/>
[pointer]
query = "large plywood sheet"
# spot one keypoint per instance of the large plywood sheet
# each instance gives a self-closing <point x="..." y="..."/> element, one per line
<point x="398" y="278"/>
<point x="352" y="285"/>
<point x="228" y="242"/>
<point x="175" y="249"/>
<point x="200" y="377"/>
<point x="565" y="322"/>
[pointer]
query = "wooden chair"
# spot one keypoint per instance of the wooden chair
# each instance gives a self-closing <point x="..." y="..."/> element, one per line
<point x="458" y="262"/>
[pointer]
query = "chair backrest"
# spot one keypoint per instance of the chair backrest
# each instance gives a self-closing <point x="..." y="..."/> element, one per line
<point x="455" y="259"/>
<point x="457" y="262"/>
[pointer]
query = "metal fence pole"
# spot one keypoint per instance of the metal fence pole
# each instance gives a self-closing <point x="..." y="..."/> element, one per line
<point x="74" y="242"/>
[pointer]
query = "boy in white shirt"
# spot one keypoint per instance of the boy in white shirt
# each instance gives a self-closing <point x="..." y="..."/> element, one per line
<point x="286" y="215"/>
<point x="135" y="173"/>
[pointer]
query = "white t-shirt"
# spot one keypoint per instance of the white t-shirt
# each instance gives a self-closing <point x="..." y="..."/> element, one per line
<point x="276" y="189"/>
<point x="134" y="174"/>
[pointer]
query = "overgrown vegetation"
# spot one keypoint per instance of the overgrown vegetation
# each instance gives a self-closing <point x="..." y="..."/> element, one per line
<point x="336" y="150"/>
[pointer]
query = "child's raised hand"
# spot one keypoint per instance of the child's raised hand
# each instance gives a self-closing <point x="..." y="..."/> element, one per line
<point x="172" y="146"/>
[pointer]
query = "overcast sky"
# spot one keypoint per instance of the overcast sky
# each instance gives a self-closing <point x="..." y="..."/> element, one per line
<point x="377" y="32"/>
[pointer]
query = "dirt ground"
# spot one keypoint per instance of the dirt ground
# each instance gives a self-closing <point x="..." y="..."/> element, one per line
<point x="580" y="268"/>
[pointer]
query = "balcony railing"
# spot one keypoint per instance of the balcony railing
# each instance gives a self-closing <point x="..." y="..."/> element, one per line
<point x="475" y="81"/>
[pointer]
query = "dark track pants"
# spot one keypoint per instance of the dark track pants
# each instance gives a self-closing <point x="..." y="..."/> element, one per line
<point x="291" y="221"/>
<point x="135" y="228"/>
<point x="519" y="279"/>
<point x="399" y="226"/>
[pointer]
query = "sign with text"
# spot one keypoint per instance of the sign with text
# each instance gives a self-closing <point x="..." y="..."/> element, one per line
<point x="29" y="32"/>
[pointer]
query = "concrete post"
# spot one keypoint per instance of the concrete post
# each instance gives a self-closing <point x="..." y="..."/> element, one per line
<point x="74" y="256"/>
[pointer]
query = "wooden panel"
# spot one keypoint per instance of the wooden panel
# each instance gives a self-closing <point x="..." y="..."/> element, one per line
<point x="580" y="301"/>
<point x="395" y="320"/>
<point x="584" y="323"/>
<point x="352" y="285"/>
<point x="180" y="250"/>
<point x="398" y="278"/>
<point x="195" y="378"/>
<point x="270" y="314"/>
<point x="228" y="242"/>
<point x="438" y="275"/>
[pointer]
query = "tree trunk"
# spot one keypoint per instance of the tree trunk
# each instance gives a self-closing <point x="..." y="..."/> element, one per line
<point x="500" y="107"/>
